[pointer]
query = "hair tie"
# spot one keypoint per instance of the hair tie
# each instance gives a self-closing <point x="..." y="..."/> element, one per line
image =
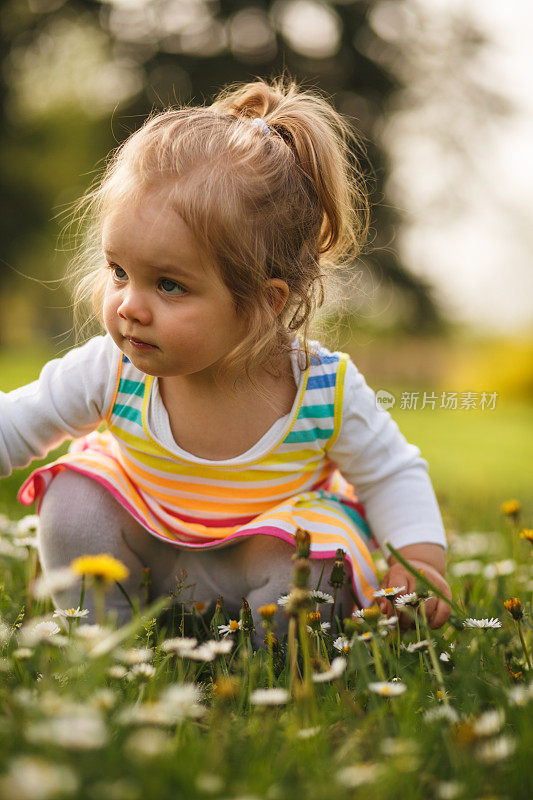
<point x="259" y="122"/>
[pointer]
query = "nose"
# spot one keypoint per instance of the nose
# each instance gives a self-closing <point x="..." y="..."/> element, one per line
<point x="134" y="308"/>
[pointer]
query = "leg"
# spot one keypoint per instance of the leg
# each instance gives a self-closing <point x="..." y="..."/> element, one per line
<point x="265" y="563"/>
<point x="79" y="516"/>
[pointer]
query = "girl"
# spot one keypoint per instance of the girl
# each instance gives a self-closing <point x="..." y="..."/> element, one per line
<point x="225" y="430"/>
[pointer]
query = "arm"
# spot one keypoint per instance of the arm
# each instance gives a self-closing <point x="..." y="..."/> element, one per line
<point x="69" y="399"/>
<point x="391" y="480"/>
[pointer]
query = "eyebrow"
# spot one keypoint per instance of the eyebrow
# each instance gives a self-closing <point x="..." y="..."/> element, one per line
<point x="171" y="268"/>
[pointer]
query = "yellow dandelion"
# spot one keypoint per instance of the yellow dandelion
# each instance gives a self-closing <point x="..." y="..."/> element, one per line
<point x="268" y="611"/>
<point x="511" y="508"/>
<point x="514" y="607"/>
<point x="103" y="567"/>
<point x="527" y="533"/>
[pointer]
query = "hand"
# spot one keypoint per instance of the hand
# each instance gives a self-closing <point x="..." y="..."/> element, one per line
<point x="437" y="611"/>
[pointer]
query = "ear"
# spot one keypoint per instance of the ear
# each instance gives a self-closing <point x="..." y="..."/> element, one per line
<point x="279" y="292"/>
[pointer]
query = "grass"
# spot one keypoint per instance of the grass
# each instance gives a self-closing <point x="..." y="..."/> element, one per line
<point x="134" y="713"/>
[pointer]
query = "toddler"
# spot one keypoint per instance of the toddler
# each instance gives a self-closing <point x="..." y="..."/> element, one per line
<point x="207" y="427"/>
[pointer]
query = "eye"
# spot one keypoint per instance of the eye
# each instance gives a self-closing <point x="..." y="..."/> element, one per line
<point x="170" y="287"/>
<point x="118" y="273"/>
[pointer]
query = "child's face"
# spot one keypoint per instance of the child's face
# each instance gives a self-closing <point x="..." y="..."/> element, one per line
<point x="165" y="306"/>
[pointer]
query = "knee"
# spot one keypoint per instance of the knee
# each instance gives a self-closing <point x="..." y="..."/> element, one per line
<point x="266" y="559"/>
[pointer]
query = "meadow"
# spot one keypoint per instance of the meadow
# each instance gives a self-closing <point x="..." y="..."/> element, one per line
<point x="177" y="705"/>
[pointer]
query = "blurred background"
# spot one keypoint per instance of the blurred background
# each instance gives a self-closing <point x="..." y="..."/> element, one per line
<point x="439" y="92"/>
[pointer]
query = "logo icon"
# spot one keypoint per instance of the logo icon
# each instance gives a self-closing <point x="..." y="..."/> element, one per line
<point x="384" y="400"/>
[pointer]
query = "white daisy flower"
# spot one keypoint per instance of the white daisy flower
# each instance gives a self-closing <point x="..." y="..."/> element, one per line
<point x="142" y="671"/>
<point x="496" y="749"/>
<point x="388" y="622"/>
<point x="500" y="568"/>
<point x="54" y="580"/>
<point x="324" y="627"/>
<point x="358" y="774"/>
<point x="117" y="671"/>
<point x="335" y="671"/>
<point x="413" y="647"/>
<point x="321" y="597"/>
<point x="233" y="626"/>
<point x="36" y="778"/>
<point x="283" y="600"/>
<point x="10" y="550"/>
<point x="37" y="630"/>
<point x="441" y="712"/>
<point x="26" y="525"/>
<point x="70" y="613"/>
<point x="366" y="636"/>
<point x="178" y="644"/>
<point x="463" y="568"/>
<point x="359" y="613"/>
<point x="220" y="648"/>
<point x="81" y="728"/>
<point x="308" y="733"/>
<point x="135" y="655"/>
<point x="444" y="656"/>
<point x="387" y="688"/>
<point x="410" y="599"/>
<point x="449" y="790"/>
<point x="342" y="644"/>
<point x="201" y="653"/>
<point x="269" y="697"/>
<point x="489" y="723"/>
<point x="183" y="699"/>
<point x="493" y="622"/>
<point x="91" y="633"/>
<point x="22" y="653"/>
<point x="520" y="695"/>
<point x="139" y="745"/>
<point x="390" y="591"/>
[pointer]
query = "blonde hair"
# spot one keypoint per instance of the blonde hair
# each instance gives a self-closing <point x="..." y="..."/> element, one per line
<point x="290" y="204"/>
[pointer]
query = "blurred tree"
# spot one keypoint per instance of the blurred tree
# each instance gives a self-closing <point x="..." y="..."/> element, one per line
<point x="67" y="65"/>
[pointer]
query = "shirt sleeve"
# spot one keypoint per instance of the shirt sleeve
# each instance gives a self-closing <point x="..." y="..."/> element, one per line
<point x="69" y="399"/>
<point x="389" y="475"/>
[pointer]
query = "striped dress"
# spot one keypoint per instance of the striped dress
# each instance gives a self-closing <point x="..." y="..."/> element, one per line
<point x="196" y="505"/>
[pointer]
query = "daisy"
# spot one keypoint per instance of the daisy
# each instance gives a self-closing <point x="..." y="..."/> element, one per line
<point x="70" y="613"/>
<point x="387" y="688"/>
<point x="142" y="671"/>
<point x="414" y="646"/>
<point x="233" y="627"/>
<point x="496" y="749"/>
<point x="55" y="580"/>
<point x="500" y="568"/>
<point x="489" y="723"/>
<point x="335" y="671"/>
<point x="201" y="653"/>
<point x="321" y="597"/>
<point x="358" y="774"/>
<point x="283" y="600"/>
<point x="388" y="622"/>
<point x="342" y="644"/>
<point x="220" y="648"/>
<point x="269" y="697"/>
<point x="34" y="777"/>
<point x="135" y="655"/>
<point x="441" y="712"/>
<point x="410" y="599"/>
<point x="34" y="631"/>
<point x="324" y="627"/>
<point x="179" y="644"/>
<point x="493" y="622"/>
<point x="464" y="568"/>
<point x="183" y="699"/>
<point x="390" y="591"/>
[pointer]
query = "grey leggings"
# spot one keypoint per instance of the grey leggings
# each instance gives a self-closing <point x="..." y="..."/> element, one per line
<point x="79" y="516"/>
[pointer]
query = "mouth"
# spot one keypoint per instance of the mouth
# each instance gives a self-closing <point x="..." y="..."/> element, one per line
<point x="139" y="344"/>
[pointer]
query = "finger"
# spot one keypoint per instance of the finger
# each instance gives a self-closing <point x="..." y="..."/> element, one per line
<point x="442" y="613"/>
<point x="429" y="607"/>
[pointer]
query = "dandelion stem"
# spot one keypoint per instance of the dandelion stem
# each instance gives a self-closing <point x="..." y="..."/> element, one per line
<point x="434" y="659"/>
<point x="524" y="648"/>
<point x="377" y="659"/>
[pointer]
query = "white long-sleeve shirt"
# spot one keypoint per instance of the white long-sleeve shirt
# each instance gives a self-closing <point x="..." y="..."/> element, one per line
<point x="72" y="394"/>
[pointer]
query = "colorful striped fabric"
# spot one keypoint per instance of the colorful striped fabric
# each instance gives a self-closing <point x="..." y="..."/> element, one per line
<point x="195" y="503"/>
